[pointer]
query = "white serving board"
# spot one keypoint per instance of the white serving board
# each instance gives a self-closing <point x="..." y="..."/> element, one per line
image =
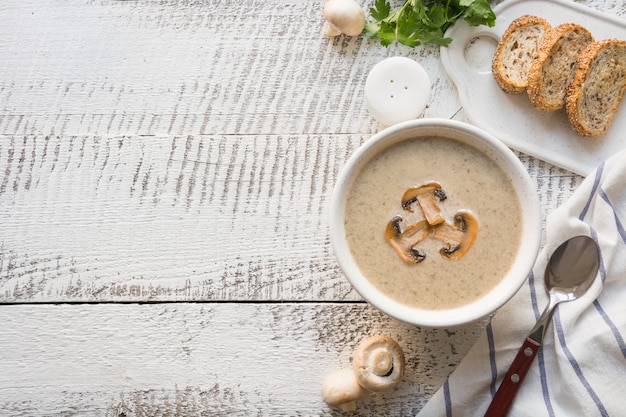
<point x="511" y="118"/>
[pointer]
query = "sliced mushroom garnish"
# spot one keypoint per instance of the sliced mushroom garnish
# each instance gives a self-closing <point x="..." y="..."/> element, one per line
<point x="430" y="208"/>
<point x="427" y="196"/>
<point x="412" y="194"/>
<point x="458" y="238"/>
<point x="404" y="241"/>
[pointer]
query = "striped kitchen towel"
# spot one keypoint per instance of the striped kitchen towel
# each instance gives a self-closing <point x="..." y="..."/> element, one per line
<point x="581" y="368"/>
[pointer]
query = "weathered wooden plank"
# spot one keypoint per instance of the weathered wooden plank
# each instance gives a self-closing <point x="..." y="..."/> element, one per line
<point x="169" y="218"/>
<point x="205" y="359"/>
<point x="180" y="218"/>
<point x="187" y="67"/>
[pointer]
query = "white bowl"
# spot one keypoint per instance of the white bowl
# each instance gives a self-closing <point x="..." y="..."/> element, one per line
<point x="504" y="158"/>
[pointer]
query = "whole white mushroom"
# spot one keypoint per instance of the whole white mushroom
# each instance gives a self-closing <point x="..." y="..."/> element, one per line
<point x="378" y="365"/>
<point x="344" y="16"/>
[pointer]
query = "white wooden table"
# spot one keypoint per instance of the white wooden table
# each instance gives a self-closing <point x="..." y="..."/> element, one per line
<point x="165" y="175"/>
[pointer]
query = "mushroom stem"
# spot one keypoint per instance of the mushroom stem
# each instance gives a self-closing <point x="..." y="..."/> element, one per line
<point x="382" y="362"/>
<point x="404" y="242"/>
<point x="458" y="239"/>
<point x="430" y="208"/>
<point x="331" y="31"/>
<point x="341" y="389"/>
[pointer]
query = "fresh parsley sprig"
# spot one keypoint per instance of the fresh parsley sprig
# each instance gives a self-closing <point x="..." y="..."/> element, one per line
<point x="419" y="22"/>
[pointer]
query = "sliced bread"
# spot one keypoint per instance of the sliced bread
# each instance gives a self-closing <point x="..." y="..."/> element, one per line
<point x="552" y="69"/>
<point x="598" y="87"/>
<point x="516" y="50"/>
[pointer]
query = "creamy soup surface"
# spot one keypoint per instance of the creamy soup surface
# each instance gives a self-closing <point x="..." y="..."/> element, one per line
<point x="471" y="181"/>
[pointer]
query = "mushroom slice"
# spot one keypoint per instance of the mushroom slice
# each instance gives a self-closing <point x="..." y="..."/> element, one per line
<point x="458" y="238"/>
<point x="430" y="208"/>
<point x="378" y="363"/>
<point x="411" y="195"/>
<point x="404" y="242"/>
<point x="449" y="235"/>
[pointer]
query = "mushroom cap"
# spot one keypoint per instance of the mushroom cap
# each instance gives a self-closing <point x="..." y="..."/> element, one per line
<point x="458" y="238"/>
<point x="346" y="16"/>
<point x="403" y="241"/>
<point x="378" y="363"/>
<point x="411" y="195"/>
<point x="341" y="389"/>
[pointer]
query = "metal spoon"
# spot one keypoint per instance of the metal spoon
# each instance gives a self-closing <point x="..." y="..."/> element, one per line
<point x="570" y="272"/>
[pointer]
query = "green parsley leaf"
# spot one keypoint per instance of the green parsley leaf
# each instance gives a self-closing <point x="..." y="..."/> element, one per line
<point x="419" y="22"/>
<point x="381" y="10"/>
<point x="479" y="12"/>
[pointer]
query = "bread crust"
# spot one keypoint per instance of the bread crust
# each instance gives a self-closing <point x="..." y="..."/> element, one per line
<point x="513" y="55"/>
<point x="582" y="92"/>
<point x="552" y="69"/>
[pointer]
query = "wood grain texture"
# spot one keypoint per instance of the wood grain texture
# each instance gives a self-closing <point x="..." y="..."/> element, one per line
<point x="201" y="218"/>
<point x="192" y="67"/>
<point x="179" y="218"/>
<point x="182" y="154"/>
<point x="206" y="359"/>
<point x="187" y="67"/>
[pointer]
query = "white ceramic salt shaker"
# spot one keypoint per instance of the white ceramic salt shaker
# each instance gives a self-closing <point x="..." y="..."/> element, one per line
<point x="396" y="89"/>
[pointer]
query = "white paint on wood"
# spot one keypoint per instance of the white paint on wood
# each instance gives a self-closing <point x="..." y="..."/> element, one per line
<point x="208" y="359"/>
<point x="206" y="218"/>
<point x="186" y="151"/>
<point x="179" y="218"/>
<point x="178" y="68"/>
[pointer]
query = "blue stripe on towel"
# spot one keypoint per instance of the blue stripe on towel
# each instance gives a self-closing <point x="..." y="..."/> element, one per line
<point x="596" y="183"/>
<point x="611" y="325"/>
<point x="544" y="383"/>
<point x="618" y="223"/>
<point x="574" y="363"/>
<point x="557" y="317"/>
<point x="540" y="360"/>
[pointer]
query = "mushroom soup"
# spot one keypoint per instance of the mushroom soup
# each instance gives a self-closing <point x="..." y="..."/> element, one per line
<point x="433" y="223"/>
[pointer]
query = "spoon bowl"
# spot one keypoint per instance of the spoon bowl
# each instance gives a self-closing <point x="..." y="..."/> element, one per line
<point x="572" y="267"/>
<point x="571" y="270"/>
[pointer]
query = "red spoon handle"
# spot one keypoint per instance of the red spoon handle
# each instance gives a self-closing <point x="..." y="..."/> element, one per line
<point x="513" y="378"/>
